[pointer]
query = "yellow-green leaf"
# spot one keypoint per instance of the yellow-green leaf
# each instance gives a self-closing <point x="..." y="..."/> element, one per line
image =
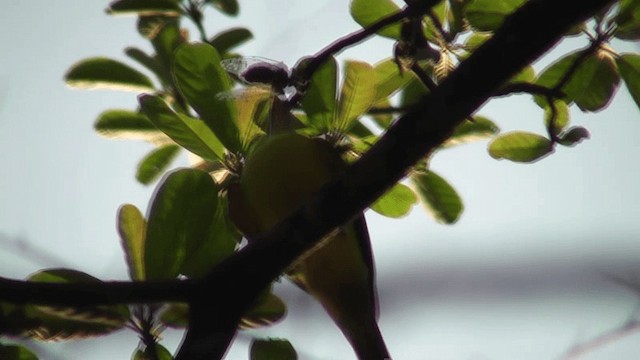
<point x="520" y="146"/>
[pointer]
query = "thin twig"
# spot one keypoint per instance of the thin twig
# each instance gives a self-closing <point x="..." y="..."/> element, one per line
<point x="608" y="337"/>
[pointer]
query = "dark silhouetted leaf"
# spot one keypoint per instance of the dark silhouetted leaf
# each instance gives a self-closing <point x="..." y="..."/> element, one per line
<point x="156" y="162"/>
<point x="106" y="73"/>
<point x="367" y="12"/>
<point x="488" y="15"/>
<point x="132" y="229"/>
<point x="229" y="7"/>
<point x="201" y="79"/>
<point x="628" y="20"/>
<point x="16" y="352"/>
<point x="230" y="38"/>
<point x="176" y="315"/>
<point x="573" y="136"/>
<point x="271" y="349"/>
<point x="478" y="129"/>
<point x="149" y="62"/>
<point x="439" y="198"/>
<point x="180" y="218"/>
<point x="629" y="67"/>
<point x="396" y="202"/>
<point x="520" y="146"/>
<point x="269" y="310"/>
<point x="192" y="134"/>
<point x="145" y="7"/>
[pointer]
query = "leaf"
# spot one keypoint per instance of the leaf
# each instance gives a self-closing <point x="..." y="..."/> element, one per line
<point x="200" y="78"/>
<point x="367" y="12"/>
<point x="192" y="134"/>
<point x="132" y="228"/>
<point x="180" y="217"/>
<point x="221" y="242"/>
<point x="439" y="198"/>
<point x="165" y="36"/>
<point x="230" y="38"/>
<point x="156" y="162"/>
<point x="488" y="15"/>
<point x="229" y="7"/>
<point x="161" y="353"/>
<point x="413" y="93"/>
<point x="478" y="129"/>
<point x="151" y="63"/>
<point x="574" y="136"/>
<point x="357" y="95"/>
<point x="591" y="86"/>
<point x="526" y="75"/>
<point x="16" y="352"/>
<point x="561" y="118"/>
<point x="319" y="101"/>
<point x="61" y="323"/>
<point x="520" y="146"/>
<point x="104" y="73"/>
<point x="396" y="202"/>
<point x="628" y="20"/>
<point x="176" y="315"/>
<point x="388" y="79"/>
<point x="125" y="124"/>
<point x="269" y="310"/>
<point x="145" y="8"/>
<point x="629" y="67"/>
<point x="475" y="40"/>
<point x="272" y="349"/>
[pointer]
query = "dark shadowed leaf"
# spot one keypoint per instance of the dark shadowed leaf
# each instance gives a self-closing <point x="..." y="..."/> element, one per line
<point x="156" y="162"/>
<point x="628" y="20"/>
<point x="573" y="136"/>
<point x="488" y="15"/>
<point x="145" y="7"/>
<point x="439" y="198"/>
<point x="104" y="73"/>
<point x="62" y="323"/>
<point x="230" y="38"/>
<point x="176" y="315"/>
<point x="132" y="228"/>
<point x="520" y="146"/>
<point x="478" y="129"/>
<point x="229" y="7"/>
<point x="357" y="94"/>
<point x="180" y="217"/>
<point x="126" y="124"/>
<point x="192" y="134"/>
<point x="271" y="349"/>
<point x="269" y="310"/>
<point x="395" y="203"/>
<point x="320" y="100"/>
<point x="629" y="67"/>
<point x="367" y="12"/>
<point x="16" y="352"/>
<point x="413" y="93"/>
<point x="201" y="79"/>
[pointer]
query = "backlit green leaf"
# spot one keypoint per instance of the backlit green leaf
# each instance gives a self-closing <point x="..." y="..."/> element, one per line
<point x="520" y="146"/>
<point x="269" y="310"/>
<point x="478" y="129"/>
<point x="132" y="228"/>
<point x="388" y="79"/>
<point x="161" y="353"/>
<point x="156" y="162"/>
<point x="357" y="95"/>
<point x="104" y="73"/>
<point x="180" y="217"/>
<point x="439" y="198"/>
<point x="271" y="349"/>
<point x="319" y="101"/>
<point x="396" y="202"/>
<point x="367" y="12"/>
<point x="629" y="67"/>
<point x="192" y="134"/>
<point x="229" y="7"/>
<point x="201" y="79"/>
<point x="230" y="38"/>
<point x="557" y="119"/>
<point x="152" y="64"/>
<point x="488" y="15"/>
<point x="145" y="7"/>
<point x="126" y="124"/>
<point x="628" y="20"/>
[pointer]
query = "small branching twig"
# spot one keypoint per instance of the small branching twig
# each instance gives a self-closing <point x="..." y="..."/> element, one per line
<point x="625" y="329"/>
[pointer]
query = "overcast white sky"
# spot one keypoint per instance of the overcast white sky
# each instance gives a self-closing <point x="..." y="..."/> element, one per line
<point x="519" y="277"/>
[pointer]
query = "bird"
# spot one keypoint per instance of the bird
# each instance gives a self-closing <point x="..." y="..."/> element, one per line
<point x="282" y="172"/>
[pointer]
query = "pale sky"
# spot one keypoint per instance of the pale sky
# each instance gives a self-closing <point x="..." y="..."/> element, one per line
<point x="519" y="277"/>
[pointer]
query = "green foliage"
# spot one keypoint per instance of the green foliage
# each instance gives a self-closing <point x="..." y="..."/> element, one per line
<point x="271" y="349"/>
<point x="520" y="146"/>
<point x="367" y="12"/>
<point x="395" y="203"/>
<point x="156" y="163"/>
<point x="108" y="74"/>
<point x="16" y="352"/>
<point x="488" y="15"/>
<point x="439" y="198"/>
